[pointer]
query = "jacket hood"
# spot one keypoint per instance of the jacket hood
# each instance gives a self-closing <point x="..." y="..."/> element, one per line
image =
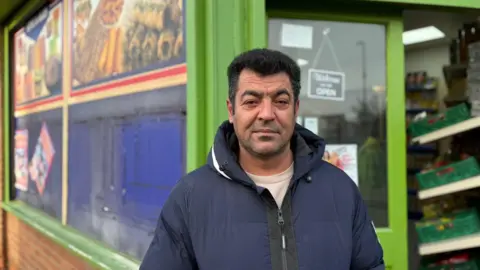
<point x="307" y="148"/>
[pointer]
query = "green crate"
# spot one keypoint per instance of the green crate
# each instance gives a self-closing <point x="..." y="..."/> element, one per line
<point x="469" y="265"/>
<point x="450" y="117"/>
<point x="451" y="226"/>
<point x="448" y="174"/>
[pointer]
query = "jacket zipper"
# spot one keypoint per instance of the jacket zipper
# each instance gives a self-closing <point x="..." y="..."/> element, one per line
<point x="281" y="223"/>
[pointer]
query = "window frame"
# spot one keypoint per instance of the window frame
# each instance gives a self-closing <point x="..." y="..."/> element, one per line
<point x="92" y="251"/>
<point x="394" y="237"/>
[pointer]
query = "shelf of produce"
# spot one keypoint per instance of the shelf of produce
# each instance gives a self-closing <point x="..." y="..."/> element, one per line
<point x="448" y="131"/>
<point x="469" y="183"/>
<point x="460" y="243"/>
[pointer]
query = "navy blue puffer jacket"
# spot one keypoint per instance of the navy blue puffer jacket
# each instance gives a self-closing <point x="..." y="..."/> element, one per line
<point x="216" y="218"/>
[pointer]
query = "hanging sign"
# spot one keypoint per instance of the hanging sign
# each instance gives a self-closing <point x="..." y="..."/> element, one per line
<point x="325" y="84"/>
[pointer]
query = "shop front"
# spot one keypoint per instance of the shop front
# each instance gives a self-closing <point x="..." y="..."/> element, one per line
<point x="106" y="104"/>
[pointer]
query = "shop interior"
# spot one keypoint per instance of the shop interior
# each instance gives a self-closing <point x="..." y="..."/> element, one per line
<point x="442" y="78"/>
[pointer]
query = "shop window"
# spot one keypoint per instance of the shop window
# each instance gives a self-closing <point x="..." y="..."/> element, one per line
<point x="125" y="155"/>
<point x="126" y="118"/>
<point x="343" y="97"/>
<point x="125" y="108"/>
<point x="37" y="50"/>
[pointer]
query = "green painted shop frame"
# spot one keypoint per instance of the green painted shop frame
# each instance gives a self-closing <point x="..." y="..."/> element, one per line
<point x="217" y="30"/>
<point x="394" y="237"/>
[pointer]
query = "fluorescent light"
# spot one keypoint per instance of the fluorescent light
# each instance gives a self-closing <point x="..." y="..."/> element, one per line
<point x="421" y="35"/>
<point x="302" y="62"/>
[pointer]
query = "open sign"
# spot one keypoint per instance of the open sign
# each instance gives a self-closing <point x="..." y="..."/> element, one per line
<point x="325" y="84"/>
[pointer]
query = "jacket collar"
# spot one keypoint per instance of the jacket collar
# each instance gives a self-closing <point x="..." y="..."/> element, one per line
<point x="307" y="147"/>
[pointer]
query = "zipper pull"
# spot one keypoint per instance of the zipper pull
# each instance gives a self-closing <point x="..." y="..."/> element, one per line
<point x="280" y="219"/>
<point x="281" y="222"/>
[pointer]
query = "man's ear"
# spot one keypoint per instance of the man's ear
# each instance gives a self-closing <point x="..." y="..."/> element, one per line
<point x="231" y="111"/>
<point x="297" y="106"/>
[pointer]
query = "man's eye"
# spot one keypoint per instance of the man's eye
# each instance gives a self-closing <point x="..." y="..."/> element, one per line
<point x="283" y="102"/>
<point x="250" y="102"/>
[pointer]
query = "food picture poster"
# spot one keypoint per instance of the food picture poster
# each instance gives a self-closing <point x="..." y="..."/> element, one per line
<point x="38" y="56"/>
<point x="42" y="159"/>
<point x="343" y="156"/>
<point x="21" y="160"/>
<point x="117" y="38"/>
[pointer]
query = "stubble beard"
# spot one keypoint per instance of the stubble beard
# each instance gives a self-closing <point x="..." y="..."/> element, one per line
<point x="264" y="155"/>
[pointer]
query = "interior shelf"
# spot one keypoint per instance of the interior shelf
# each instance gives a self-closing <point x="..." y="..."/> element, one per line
<point x="460" y="243"/>
<point x="470" y="183"/>
<point x="448" y="131"/>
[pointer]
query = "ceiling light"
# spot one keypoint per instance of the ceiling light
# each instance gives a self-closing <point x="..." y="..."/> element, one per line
<point x="421" y="35"/>
<point x="302" y="62"/>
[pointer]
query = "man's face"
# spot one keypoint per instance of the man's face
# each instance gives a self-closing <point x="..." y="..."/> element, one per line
<point x="264" y="113"/>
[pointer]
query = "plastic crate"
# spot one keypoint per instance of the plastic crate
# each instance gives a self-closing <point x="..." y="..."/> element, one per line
<point x="448" y="174"/>
<point x="470" y="265"/>
<point x="455" y="225"/>
<point x="450" y="117"/>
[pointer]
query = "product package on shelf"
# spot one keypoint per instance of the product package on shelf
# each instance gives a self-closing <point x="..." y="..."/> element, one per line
<point x="450" y="117"/>
<point x="467" y="35"/>
<point x="463" y="261"/>
<point x="454" y="51"/>
<point x="453" y="172"/>
<point x="418" y="162"/>
<point x="420" y="80"/>
<point x="449" y="216"/>
<point x="421" y="92"/>
<point x="473" y="78"/>
<point x="421" y="101"/>
<point x="456" y="224"/>
<point x="437" y="207"/>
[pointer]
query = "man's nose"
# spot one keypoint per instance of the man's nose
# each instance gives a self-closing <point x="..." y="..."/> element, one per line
<point x="267" y="111"/>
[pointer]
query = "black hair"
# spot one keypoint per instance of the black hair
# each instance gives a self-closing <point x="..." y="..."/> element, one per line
<point x="264" y="62"/>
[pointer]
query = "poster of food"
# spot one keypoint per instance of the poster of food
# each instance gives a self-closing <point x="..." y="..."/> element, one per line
<point x="344" y="156"/>
<point x="38" y="56"/>
<point x="42" y="159"/>
<point x="118" y="38"/>
<point x="21" y="159"/>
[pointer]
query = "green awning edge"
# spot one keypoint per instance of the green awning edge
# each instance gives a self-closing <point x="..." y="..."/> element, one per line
<point x="90" y="250"/>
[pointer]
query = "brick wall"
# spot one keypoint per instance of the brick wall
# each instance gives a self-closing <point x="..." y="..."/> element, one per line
<point x="23" y="247"/>
<point x="28" y="249"/>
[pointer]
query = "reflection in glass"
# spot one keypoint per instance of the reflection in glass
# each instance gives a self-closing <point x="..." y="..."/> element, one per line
<point x="125" y="155"/>
<point x="343" y="97"/>
<point x="126" y="147"/>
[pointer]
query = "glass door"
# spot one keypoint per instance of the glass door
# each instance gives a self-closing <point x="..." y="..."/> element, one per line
<point x="346" y="85"/>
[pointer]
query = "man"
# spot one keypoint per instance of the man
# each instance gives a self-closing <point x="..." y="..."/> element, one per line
<point x="266" y="199"/>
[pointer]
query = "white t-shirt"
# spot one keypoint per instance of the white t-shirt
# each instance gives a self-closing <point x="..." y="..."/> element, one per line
<point x="277" y="184"/>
